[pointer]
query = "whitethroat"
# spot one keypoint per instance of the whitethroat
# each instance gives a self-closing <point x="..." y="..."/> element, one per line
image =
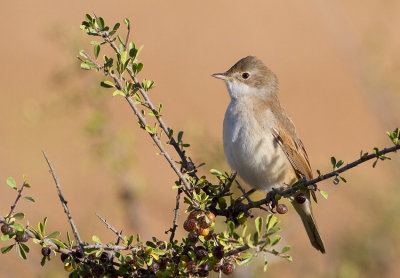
<point x="260" y="140"/>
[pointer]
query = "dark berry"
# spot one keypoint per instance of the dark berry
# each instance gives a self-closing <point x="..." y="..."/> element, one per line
<point x="46" y="251"/>
<point x="190" y="166"/>
<point x="204" y="270"/>
<point x="98" y="269"/>
<point x="5" y="229"/>
<point x="79" y="253"/>
<point x="161" y="245"/>
<point x="200" y="252"/>
<point x="227" y="268"/>
<point x="218" y="252"/>
<point x="64" y="257"/>
<point x="105" y="257"/>
<point x="190" y="265"/>
<point x="190" y="225"/>
<point x="193" y="215"/>
<point x="301" y="198"/>
<point x="281" y="209"/>
<point x="204" y="222"/>
<point x="192" y="237"/>
<point x="154" y="267"/>
<point x="22" y="237"/>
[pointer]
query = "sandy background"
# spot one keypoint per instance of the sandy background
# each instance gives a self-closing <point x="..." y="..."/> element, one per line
<point x="338" y="63"/>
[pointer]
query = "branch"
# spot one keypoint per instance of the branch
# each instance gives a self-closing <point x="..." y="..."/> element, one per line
<point x="110" y="227"/>
<point x="64" y="202"/>
<point x="176" y="214"/>
<point x="16" y="201"/>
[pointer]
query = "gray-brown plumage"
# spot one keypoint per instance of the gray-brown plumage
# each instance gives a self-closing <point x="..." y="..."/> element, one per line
<point x="260" y="140"/>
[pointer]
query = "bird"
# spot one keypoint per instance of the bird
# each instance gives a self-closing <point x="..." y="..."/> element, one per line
<point x="260" y="140"/>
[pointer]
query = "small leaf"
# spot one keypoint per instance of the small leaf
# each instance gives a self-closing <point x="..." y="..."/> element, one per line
<point x="5" y="237"/>
<point x="259" y="224"/>
<point x="21" y="252"/>
<point x="340" y="163"/>
<point x="54" y="234"/>
<point x="285" y="249"/>
<point x="6" y="248"/>
<point x="107" y="84"/>
<point x="215" y="172"/>
<point x="343" y="179"/>
<point x="100" y="22"/>
<point x="96" y="239"/>
<point x="96" y="51"/>
<point x="87" y="65"/>
<point x="19" y="227"/>
<point x="275" y="240"/>
<point x="29" y="199"/>
<point x="149" y="129"/>
<point x="127" y="22"/>
<point x="116" y="26"/>
<point x="324" y="194"/>
<point x="19" y="215"/>
<point x="11" y="182"/>
<point x="231" y="227"/>
<point x="333" y="161"/>
<point x="25" y="247"/>
<point x="118" y="92"/>
<point x="58" y="243"/>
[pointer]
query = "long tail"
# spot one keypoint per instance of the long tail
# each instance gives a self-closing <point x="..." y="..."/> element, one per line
<point x="305" y="212"/>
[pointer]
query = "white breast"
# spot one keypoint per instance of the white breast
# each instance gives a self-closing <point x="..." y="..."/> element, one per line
<point x="250" y="148"/>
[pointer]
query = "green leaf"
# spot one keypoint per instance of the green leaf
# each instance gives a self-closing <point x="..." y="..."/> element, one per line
<point x="7" y="248"/>
<point x="118" y="92"/>
<point x="259" y="224"/>
<point x="324" y="194"/>
<point x="271" y="221"/>
<point x="107" y="84"/>
<point x="123" y="57"/>
<point x="17" y="226"/>
<point x="25" y="247"/>
<point x="58" y="243"/>
<point x="19" y="215"/>
<point x="285" y="249"/>
<point x="340" y="163"/>
<point x="96" y="51"/>
<point x="5" y="237"/>
<point x="100" y="22"/>
<point x="89" y="18"/>
<point x="127" y="22"/>
<point x="87" y="65"/>
<point x="275" y="240"/>
<point x="215" y="172"/>
<point x="21" y="252"/>
<point x="96" y="239"/>
<point x="343" y="179"/>
<point x="333" y="161"/>
<point x="11" y="182"/>
<point x="116" y="26"/>
<point x="54" y="234"/>
<point x="29" y="199"/>
<point x="231" y="227"/>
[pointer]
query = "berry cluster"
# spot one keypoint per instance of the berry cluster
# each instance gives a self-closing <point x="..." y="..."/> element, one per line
<point x="199" y="223"/>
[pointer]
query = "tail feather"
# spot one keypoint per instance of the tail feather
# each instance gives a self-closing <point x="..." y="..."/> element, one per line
<point x="305" y="212"/>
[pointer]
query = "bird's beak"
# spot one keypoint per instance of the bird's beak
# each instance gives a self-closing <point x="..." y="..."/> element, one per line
<point x="220" y="76"/>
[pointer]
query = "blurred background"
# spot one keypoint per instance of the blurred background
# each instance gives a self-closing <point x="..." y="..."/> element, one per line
<point x="338" y="63"/>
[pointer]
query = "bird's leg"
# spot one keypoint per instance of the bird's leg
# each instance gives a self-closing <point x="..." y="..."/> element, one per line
<point x="245" y="194"/>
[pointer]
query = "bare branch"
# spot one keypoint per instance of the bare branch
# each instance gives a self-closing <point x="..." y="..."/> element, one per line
<point x="176" y="214"/>
<point x="16" y="201"/>
<point x="110" y="227"/>
<point x="63" y="202"/>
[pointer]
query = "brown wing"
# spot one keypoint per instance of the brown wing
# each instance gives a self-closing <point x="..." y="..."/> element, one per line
<point x="294" y="150"/>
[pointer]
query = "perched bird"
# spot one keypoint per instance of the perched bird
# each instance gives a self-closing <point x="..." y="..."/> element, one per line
<point x="260" y="140"/>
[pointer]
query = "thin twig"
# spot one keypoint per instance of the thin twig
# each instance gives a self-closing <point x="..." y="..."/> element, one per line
<point x="64" y="202"/>
<point x="110" y="227"/>
<point x="176" y="214"/>
<point x="127" y="36"/>
<point x="16" y="201"/>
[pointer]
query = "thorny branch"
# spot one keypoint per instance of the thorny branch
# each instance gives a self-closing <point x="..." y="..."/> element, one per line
<point x="176" y="214"/>
<point x="16" y="201"/>
<point x="110" y="227"/>
<point x="64" y="202"/>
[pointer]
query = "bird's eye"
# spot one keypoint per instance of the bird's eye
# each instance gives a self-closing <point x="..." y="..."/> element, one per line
<point x="245" y="75"/>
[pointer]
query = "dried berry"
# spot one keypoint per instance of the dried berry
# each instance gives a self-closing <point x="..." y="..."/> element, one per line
<point x="6" y="230"/>
<point x="22" y="237"/>
<point x="155" y="266"/>
<point x="282" y="208"/>
<point x="98" y="269"/>
<point x="193" y="215"/>
<point x="64" y="257"/>
<point x="190" y="265"/>
<point x="217" y="267"/>
<point x="227" y="268"/>
<point x="105" y="257"/>
<point x="218" y="252"/>
<point x="301" y="198"/>
<point x="190" y="225"/>
<point x="192" y="237"/>
<point x="161" y="245"/>
<point x="46" y="251"/>
<point x="79" y="254"/>
<point x="200" y="252"/>
<point x="204" y="222"/>
<point x="204" y="270"/>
